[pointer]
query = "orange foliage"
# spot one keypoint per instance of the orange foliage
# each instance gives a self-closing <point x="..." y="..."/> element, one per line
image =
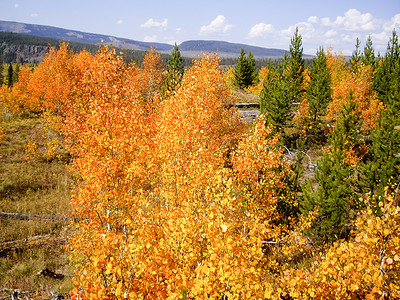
<point x="229" y="77"/>
<point x="151" y="76"/>
<point x="5" y="107"/>
<point x="366" y="267"/>
<point x="19" y="95"/>
<point x="344" y="81"/>
<point x="51" y="85"/>
<point x="257" y="88"/>
<point x="2" y="134"/>
<point x="163" y="216"/>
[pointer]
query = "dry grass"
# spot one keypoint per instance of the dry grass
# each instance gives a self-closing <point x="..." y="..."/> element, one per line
<point x="34" y="187"/>
<point x="240" y="96"/>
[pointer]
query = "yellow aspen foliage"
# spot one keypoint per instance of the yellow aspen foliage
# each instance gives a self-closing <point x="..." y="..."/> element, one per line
<point x="229" y="76"/>
<point x="365" y="267"/>
<point x="19" y="94"/>
<point x="151" y="76"/>
<point x="50" y="86"/>
<point x="257" y="88"/>
<point x="359" y="83"/>
<point x="4" y="107"/>
<point x="167" y="203"/>
<point x="2" y="134"/>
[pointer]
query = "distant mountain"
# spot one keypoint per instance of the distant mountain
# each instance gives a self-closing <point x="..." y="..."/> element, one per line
<point x="78" y="36"/>
<point x="187" y="48"/>
<point x="227" y="49"/>
<point x="22" y="48"/>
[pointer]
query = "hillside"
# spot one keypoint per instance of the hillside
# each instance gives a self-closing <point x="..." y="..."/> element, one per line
<point x="188" y="48"/>
<point x="77" y="36"/>
<point x="22" y="48"/>
<point x="227" y="49"/>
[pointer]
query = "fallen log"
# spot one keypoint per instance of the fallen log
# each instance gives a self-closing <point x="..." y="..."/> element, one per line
<point x="246" y="105"/>
<point x="33" y="241"/>
<point x="34" y="294"/>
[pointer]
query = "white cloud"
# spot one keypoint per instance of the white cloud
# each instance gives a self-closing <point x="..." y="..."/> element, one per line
<point x="34" y="15"/>
<point x="16" y="5"/>
<point x="353" y="20"/>
<point x="260" y="29"/>
<point x="326" y="21"/>
<point x="313" y="19"/>
<point x="119" y="22"/>
<point x="329" y="42"/>
<point x="348" y="38"/>
<point x="178" y="30"/>
<point x="392" y="24"/>
<point x="153" y="23"/>
<point x="330" y="33"/>
<point x="340" y="32"/>
<point x="151" y="38"/>
<point x="382" y="37"/>
<point x="218" y="25"/>
<point x="306" y="30"/>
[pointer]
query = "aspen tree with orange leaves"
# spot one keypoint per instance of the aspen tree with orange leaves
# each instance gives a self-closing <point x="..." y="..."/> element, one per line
<point x="19" y="96"/>
<point x="359" y="83"/>
<point x="163" y="216"/>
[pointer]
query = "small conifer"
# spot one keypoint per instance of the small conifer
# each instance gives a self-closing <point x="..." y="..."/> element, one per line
<point x="174" y="69"/>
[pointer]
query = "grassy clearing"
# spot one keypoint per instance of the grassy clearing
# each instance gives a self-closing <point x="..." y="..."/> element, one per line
<point x="243" y="97"/>
<point x="35" y="187"/>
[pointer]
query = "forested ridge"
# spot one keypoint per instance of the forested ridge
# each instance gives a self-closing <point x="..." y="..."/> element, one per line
<point x="175" y="197"/>
<point x="23" y="48"/>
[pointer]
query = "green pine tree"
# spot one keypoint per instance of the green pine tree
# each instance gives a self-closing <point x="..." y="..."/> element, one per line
<point x="245" y="72"/>
<point x="288" y="202"/>
<point x="318" y="94"/>
<point x="386" y="80"/>
<point x="1" y="71"/>
<point x="368" y="56"/>
<point x="334" y="197"/>
<point x="15" y="74"/>
<point x="296" y="68"/>
<point x="9" y="78"/>
<point x="174" y="69"/>
<point x="252" y="69"/>
<point x="383" y="163"/>
<point x="239" y="71"/>
<point x="275" y="98"/>
<point x="356" y="57"/>
<point x="283" y="88"/>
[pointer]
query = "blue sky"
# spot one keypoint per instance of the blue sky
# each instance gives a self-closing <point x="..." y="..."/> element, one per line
<point x="268" y="24"/>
